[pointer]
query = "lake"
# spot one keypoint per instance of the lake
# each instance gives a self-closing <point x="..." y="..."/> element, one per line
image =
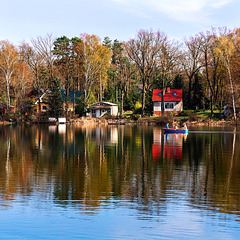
<point x="119" y="182"/>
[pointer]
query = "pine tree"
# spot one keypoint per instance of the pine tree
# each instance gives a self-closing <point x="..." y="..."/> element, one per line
<point x="178" y="82"/>
<point x="198" y="93"/>
<point x="56" y="101"/>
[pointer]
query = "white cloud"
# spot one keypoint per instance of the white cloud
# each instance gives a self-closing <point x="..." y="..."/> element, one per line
<point x="182" y="10"/>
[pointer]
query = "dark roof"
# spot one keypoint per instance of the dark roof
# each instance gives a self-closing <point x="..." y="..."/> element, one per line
<point x="172" y="95"/>
<point x="70" y="95"/>
<point x="102" y="105"/>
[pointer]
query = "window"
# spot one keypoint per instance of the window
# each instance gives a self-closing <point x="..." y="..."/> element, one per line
<point x="169" y="105"/>
<point x="44" y="107"/>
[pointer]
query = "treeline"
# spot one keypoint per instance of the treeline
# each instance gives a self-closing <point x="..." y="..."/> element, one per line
<point x="206" y="66"/>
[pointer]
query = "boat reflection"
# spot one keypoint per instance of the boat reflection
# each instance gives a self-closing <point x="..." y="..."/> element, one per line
<point x="167" y="146"/>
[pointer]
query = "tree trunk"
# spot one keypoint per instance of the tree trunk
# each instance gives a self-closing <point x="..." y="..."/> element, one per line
<point x="211" y="105"/>
<point x="74" y="101"/>
<point x="39" y="105"/>
<point x="8" y="94"/>
<point x="233" y="101"/>
<point x="162" y="102"/>
<point x="122" y="97"/>
<point x="189" y="92"/>
<point x="116" y="94"/>
<point x="143" y="98"/>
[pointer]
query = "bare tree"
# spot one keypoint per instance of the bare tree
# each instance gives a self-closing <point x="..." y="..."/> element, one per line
<point x="35" y="62"/>
<point x="143" y="51"/>
<point x="211" y="64"/>
<point x="167" y="64"/>
<point x="191" y="61"/>
<point x="43" y="46"/>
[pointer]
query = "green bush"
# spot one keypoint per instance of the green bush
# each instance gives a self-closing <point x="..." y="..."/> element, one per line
<point x="137" y="105"/>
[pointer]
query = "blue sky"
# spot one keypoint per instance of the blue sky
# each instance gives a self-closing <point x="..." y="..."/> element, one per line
<point x="118" y="19"/>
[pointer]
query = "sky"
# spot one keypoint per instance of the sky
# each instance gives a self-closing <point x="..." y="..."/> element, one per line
<point x="23" y="20"/>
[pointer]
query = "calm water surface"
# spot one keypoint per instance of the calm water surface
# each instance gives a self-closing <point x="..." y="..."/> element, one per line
<point x="126" y="182"/>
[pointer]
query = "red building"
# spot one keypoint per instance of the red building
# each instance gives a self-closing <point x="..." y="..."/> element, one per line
<point x="172" y="101"/>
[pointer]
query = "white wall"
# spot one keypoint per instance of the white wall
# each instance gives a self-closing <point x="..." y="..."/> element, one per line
<point x="176" y="107"/>
<point x="114" y="111"/>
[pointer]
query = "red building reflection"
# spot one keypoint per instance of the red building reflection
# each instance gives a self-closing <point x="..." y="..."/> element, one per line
<point x="171" y="147"/>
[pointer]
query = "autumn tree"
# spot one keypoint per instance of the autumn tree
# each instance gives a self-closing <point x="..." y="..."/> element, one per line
<point x="96" y="58"/>
<point x="22" y="82"/>
<point x="225" y="49"/>
<point x="35" y="62"/>
<point x="8" y="64"/>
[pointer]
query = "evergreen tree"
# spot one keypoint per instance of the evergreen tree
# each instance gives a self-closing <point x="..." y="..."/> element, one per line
<point x="107" y="42"/>
<point x="198" y="93"/>
<point x="81" y="106"/>
<point x="149" y="102"/>
<point x="109" y="94"/>
<point x="131" y="99"/>
<point x="56" y="101"/>
<point x="178" y="82"/>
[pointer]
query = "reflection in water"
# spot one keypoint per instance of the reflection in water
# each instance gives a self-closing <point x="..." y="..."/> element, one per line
<point x="87" y="169"/>
<point x="167" y="146"/>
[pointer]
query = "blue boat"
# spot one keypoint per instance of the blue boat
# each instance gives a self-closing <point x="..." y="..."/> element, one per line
<point x="173" y="130"/>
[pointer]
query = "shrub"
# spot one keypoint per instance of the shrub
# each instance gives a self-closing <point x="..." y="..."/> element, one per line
<point x="193" y="117"/>
<point x="137" y="105"/>
<point x="108" y="116"/>
<point x="163" y="120"/>
<point x="135" y="117"/>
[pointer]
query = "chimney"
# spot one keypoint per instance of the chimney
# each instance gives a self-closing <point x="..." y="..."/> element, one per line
<point x="168" y="89"/>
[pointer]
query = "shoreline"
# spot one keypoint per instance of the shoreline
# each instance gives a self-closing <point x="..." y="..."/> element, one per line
<point x="141" y="121"/>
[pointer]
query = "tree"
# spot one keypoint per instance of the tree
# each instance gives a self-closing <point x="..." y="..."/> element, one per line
<point x="211" y="64"/>
<point x="121" y="67"/>
<point x="198" y="92"/>
<point x="143" y="51"/>
<point x="56" y="101"/>
<point x="96" y="59"/>
<point x="65" y="61"/>
<point x="8" y="64"/>
<point x="225" y="50"/>
<point x="44" y="48"/>
<point x="178" y="82"/>
<point x="167" y="62"/>
<point x="191" y="62"/>
<point x="34" y="61"/>
<point x="107" y="42"/>
<point x="22" y="81"/>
